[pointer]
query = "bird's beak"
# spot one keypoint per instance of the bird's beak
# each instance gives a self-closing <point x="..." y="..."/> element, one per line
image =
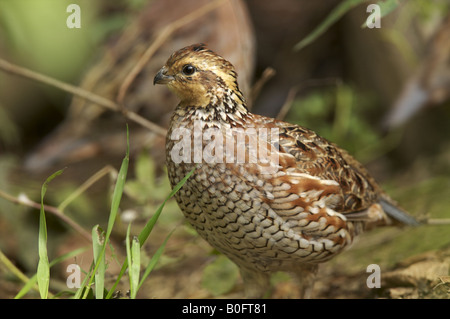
<point x="162" y="77"/>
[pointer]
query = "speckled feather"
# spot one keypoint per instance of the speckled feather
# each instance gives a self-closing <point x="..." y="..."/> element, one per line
<point x="307" y="211"/>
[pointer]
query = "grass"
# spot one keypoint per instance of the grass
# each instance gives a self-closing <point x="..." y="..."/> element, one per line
<point x="94" y="283"/>
<point x="43" y="269"/>
<point x="339" y="11"/>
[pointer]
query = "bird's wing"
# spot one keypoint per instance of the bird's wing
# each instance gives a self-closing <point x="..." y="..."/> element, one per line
<point x="329" y="165"/>
<point x="325" y="174"/>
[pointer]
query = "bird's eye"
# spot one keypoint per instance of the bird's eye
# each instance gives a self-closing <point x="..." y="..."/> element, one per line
<point x="188" y="69"/>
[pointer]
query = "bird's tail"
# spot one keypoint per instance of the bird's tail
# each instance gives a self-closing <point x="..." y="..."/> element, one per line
<point x="397" y="214"/>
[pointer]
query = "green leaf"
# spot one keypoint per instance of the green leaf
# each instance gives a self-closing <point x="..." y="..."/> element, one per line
<point x="137" y="191"/>
<point x="343" y="112"/>
<point x="43" y="269"/>
<point x="98" y="240"/>
<point x="146" y="183"/>
<point x="118" y="191"/>
<point x="135" y="268"/>
<point x="341" y="9"/>
<point x="134" y="260"/>
<point x="32" y="281"/>
<point x="220" y="276"/>
<point x="149" y="226"/>
<point x="145" y="168"/>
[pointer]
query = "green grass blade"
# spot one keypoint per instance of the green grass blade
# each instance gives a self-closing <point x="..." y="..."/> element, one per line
<point x="84" y="285"/>
<point x="134" y="260"/>
<point x="43" y="269"/>
<point x="117" y="195"/>
<point x="116" y="198"/>
<point x="143" y="235"/>
<point x="342" y="8"/>
<point x="12" y="269"/>
<point x="149" y="226"/>
<point x="154" y="259"/>
<point x="135" y="268"/>
<point x="128" y="250"/>
<point x="32" y="281"/>
<point x="98" y="240"/>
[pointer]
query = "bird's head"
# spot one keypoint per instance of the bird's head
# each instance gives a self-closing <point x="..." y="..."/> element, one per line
<point x="199" y="77"/>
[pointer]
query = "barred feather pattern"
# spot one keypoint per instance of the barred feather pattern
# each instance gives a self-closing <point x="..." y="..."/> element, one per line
<point x="308" y="210"/>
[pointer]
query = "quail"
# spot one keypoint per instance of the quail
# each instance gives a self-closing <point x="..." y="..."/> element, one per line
<point x="270" y="195"/>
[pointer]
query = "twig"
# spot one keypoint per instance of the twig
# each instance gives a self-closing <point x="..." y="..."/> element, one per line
<point x="94" y="98"/>
<point x="287" y="103"/>
<point x="88" y="183"/>
<point x="50" y="209"/>
<point x="438" y="221"/>
<point x="166" y="32"/>
<point x="267" y="74"/>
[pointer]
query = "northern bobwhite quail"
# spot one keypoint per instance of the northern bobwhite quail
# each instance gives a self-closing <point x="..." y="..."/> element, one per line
<point x="289" y="213"/>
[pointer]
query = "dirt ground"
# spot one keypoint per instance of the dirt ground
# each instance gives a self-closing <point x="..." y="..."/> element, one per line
<point x="420" y="276"/>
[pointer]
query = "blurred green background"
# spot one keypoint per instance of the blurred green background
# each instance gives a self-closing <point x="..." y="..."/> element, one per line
<point x="344" y="85"/>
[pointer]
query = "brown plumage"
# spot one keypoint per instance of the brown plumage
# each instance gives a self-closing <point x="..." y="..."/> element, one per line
<point x="300" y="208"/>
